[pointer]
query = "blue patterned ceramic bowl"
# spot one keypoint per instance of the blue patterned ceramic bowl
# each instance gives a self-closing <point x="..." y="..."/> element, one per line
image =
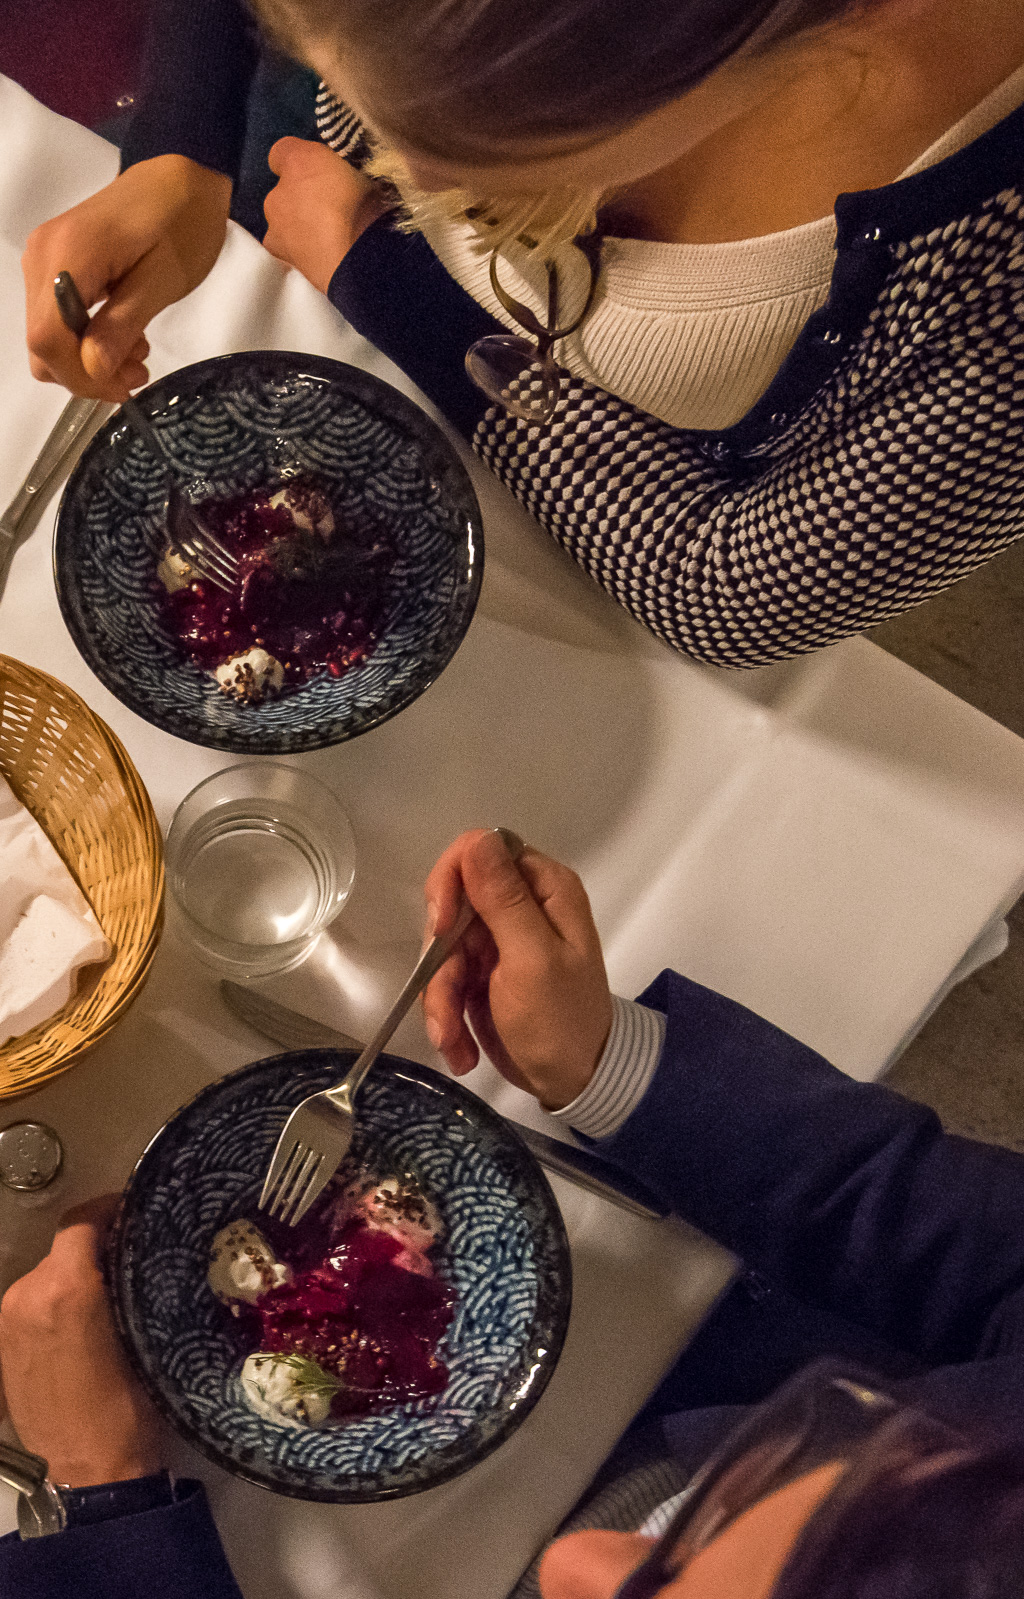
<point x="232" y="423"/>
<point x="504" y="1250"/>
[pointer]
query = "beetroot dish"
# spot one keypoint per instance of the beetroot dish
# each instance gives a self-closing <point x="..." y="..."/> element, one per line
<point x="309" y="596"/>
<point x="351" y="1322"/>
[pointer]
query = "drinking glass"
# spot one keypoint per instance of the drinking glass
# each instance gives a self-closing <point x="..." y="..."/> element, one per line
<point x="260" y="859"/>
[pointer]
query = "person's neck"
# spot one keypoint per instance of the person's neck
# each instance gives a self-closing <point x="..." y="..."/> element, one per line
<point x="854" y="105"/>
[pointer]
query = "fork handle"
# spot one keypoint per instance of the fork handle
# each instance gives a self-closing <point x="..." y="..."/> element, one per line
<point x="76" y="319"/>
<point x="429" y="963"/>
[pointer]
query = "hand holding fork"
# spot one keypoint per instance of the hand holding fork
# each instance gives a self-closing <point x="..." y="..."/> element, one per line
<point x="317" y="1134"/>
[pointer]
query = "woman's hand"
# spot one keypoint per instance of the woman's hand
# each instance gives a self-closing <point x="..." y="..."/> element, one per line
<point x="529" y="974"/>
<point x="318" y="208"/>
<point x="70" y="1393"/>
<point x="144" y="241"/>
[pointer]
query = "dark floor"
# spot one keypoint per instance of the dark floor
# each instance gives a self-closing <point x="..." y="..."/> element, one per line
<point x="78" y="56"/>
<point x="81" y="57"/>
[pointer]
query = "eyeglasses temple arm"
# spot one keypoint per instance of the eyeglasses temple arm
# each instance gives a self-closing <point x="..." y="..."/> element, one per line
<point x="522" y="313"/>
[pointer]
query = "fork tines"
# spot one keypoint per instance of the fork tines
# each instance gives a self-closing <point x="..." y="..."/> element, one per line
<point x="210" y="558"/>
<point x="290" y="1181"/>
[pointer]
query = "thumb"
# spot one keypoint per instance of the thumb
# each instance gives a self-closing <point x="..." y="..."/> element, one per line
<point x="291" y="152"/>
<point x="500" y="894"/>
<point x="121" y="321"/>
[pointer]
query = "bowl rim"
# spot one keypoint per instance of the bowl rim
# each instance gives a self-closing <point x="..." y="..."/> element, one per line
<point x="511" y="1419"/>
<point x="369" y="390"/>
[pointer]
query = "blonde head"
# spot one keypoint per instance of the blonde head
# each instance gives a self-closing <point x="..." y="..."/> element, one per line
<point x="546" y="223"/>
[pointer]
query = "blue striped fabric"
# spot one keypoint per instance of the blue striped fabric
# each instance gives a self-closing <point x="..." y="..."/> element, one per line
<point x="623" y="1073"/>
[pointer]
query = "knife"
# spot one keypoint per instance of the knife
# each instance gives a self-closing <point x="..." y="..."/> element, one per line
<point x="74" y="418"/>
<point x="579" y="1166"/>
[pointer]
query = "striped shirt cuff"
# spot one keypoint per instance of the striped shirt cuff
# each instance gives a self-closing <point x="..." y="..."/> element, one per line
<point x="623" y="1073"/>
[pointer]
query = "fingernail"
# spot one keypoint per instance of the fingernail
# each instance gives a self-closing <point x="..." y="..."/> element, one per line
<point x="512" y="842"/>
<point x="433" y="1032"/>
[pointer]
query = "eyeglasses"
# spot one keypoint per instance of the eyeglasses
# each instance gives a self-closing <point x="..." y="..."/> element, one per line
<point x="522" y="374"/>
<point x="826" y="1413"/>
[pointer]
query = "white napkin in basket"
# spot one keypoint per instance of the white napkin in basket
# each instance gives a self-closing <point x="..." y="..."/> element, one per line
<point x="47" y="930"/>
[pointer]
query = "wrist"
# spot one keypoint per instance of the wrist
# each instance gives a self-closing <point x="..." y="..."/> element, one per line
<point x="572" y="1084"/>
<point x="88" y="1473"/>
<point x="182" y="180"/>
<point x="623" y="1073"/>
<point x="373" y="205"/>
<point x="53" y="1508"/>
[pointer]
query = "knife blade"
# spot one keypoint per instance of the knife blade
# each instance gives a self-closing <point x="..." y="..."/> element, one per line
<point x="74" y="418"/>
<point x="295" y="1031"/>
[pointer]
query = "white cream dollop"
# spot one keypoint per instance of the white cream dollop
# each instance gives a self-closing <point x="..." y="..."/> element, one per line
<point x="397" y="1207"/>
<point x="273" y="1386"/>
<point x="174" y="571"/>
<point x="309" y="509"/>
<point x="251" y="676"/>
<point x="243" y="1265"/>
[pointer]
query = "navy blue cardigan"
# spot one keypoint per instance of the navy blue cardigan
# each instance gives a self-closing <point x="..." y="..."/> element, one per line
<point x="871" y="1232"/>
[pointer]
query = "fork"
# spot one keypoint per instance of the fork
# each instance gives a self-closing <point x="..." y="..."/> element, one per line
<point x="316" y="1137"/>
<point x="189" y="536"/>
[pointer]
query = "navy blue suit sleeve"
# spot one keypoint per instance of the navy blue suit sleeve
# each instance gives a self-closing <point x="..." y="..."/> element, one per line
<point x="170" y="1553"/>
<point x="395" y="292"/>
<point x="200" y="59"/>
<point x="843" y="1193"/>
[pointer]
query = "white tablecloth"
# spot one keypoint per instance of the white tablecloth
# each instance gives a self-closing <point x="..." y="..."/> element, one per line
<point x="830" y="842"/>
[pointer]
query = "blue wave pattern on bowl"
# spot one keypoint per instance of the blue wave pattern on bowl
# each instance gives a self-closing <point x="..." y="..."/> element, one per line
<point x="504" y="1250"/>
<point x="231" y="425"/>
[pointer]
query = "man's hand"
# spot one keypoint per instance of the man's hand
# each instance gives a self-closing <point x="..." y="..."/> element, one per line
<point x="70" y="1393"/>
<point x="318" y="208"/>
<point x="144" y="241"/>
<point x="528" y="975"/>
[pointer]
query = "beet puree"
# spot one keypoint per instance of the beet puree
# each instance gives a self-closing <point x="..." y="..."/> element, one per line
<point x="311" y="602"/>
<point x="374" y="1325"/>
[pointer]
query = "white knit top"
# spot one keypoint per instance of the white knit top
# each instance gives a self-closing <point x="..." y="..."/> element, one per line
<point x="691" y="333"/>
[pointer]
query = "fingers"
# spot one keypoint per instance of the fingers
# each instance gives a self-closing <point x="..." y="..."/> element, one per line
<point x="97" y="1213"/>
<point x="77" y="1247"/>
<point x="117" y="331"/>
<point x="443" y="888"/>
<point x="136" y="245"/>
<point x="448" y="996"/>
<point x="530" y="903"/>
<point x="479" y="865"/>
<point x="481" y="1019"/>
<point x="298" y="157"/>
<point x="57" y="357"/>
<point x="277" y="158"/>
<point x="54" y="352"/>
<point x="529" y="974"/>
<point x="563" y="899"/>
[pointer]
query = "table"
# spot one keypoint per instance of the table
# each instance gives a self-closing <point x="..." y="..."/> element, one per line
<point x="831" y="842"/>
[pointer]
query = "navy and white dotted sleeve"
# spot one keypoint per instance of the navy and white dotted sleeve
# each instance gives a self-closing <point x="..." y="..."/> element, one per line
<point x="899" y="473"/>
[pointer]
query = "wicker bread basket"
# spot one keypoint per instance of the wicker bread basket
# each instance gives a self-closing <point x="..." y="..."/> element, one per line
<point x="69" y="770"/>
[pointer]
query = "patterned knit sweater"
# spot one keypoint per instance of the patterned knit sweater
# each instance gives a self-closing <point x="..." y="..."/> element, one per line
<point x="882" y="464"/>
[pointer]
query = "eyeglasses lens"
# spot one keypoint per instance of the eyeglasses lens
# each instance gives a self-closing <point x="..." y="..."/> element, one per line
<point x="510" y="372"/>
<point x="801" y="1429"/>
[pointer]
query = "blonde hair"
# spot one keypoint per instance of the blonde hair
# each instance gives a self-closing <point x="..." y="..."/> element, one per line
<point x="543" y="223"/>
